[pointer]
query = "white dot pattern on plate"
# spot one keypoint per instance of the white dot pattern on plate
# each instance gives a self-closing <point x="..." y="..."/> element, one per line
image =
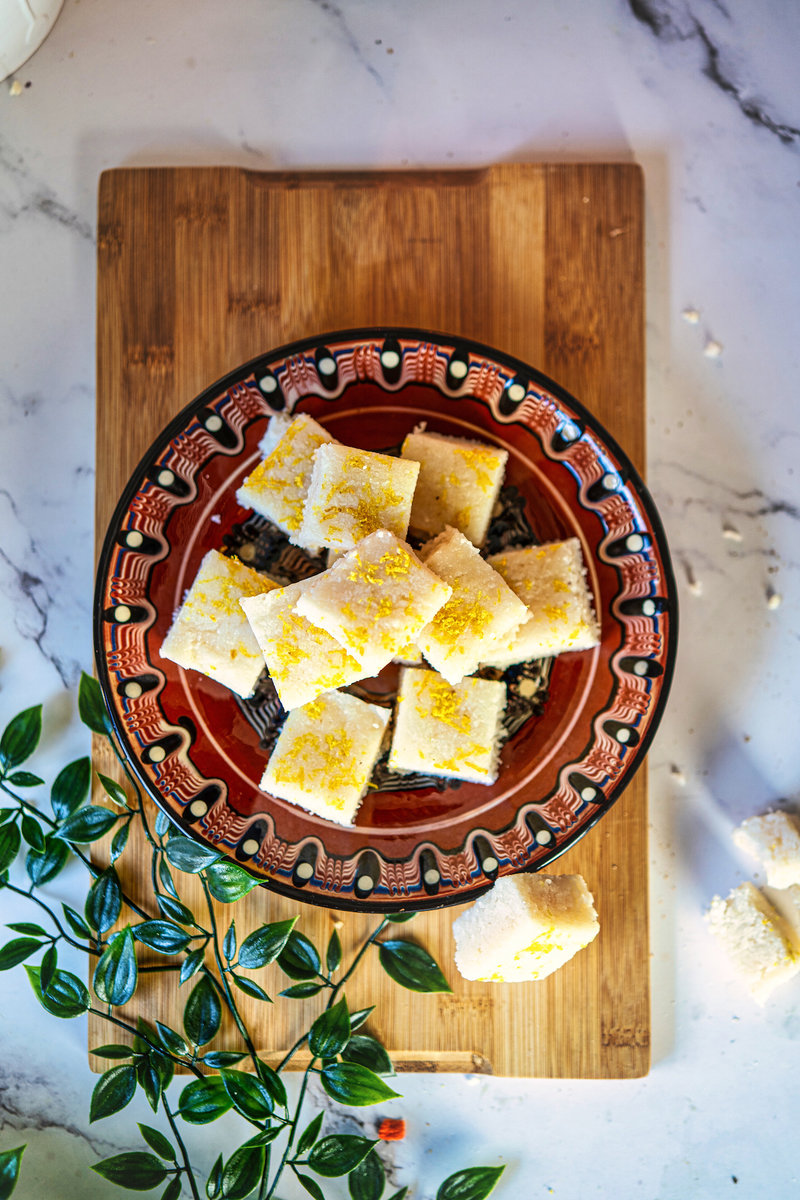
<point x="305" y="871"/>
<point x="327" y="366"/>
<point x="544" y="837"/>
<point x="365" y="882"/>
<point x="133" y="539"/>
<point x="588" y="794"/>
<point x="490" y="864"/>
<point x="133" y="690"/>
<point x="649" y="608"/>
<point x="390" y="359"/>
<point x="213" y="423"/>
<point x="157" y="754"/>
<point x="458" y="369"/>
<point x="431" y="876"/>
<point x="166" y="477"/>
<point x="516" y="392"/>
<point x="640" y="668"/>
<point x="198" y="808"/>
<point x="250" y="846"/>
<point x="634" y="542"/>
<point x="122" y="613"/>
<point x="268" y="384"/>
<point x="623" y="735"/>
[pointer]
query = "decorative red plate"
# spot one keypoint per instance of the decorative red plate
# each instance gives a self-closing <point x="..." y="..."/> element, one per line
<point x="578" y="725"/>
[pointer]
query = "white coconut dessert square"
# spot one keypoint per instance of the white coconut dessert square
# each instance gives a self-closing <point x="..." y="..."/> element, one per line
<point x="352" y="493"/>
<point x="773" y="839"/>
<point x="325" y="754"/>
<point x="446" y="730"/>
<point x="303" y="660"/>
<point x="277" y="487"/>
<point x="756" y="938"/>
<point x="374" y="600"/>
<point x="459" y="482"/>
<point x="551" y="580"/>
<point x="525" y="928"/>
<point x="482" y="609"/>
<point x="210" y="633"/>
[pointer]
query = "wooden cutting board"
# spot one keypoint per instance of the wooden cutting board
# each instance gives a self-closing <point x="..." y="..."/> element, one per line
<point x="200" y="269"/>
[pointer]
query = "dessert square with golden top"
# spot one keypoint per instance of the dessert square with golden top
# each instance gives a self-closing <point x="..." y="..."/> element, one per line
<point x="459" y="482"/>
<point x="374" y="600"/>
<point x="325" y="754"/>
<point x="551" y="580"/>
<point x="210" y="632"/>
<point x="303" y="660"/>
<point x="481" y="610"/>
<point x="352" y="493"/>
<point x="444" y="730"/>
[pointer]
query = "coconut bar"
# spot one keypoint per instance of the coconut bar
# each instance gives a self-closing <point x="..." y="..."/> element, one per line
<point x="352" y="493"/>
<point x="303" y="660"/>
<point x="458" y="485"/>
<point x="277" y="488"/>
<point x="374" y="600"/>
<point x="525" y="928"/>
<point x="482" y="609"/>
<point x="756" y="938"/>
<point x="551" y="580"/>
<point x="774" y="840"/>
<point x="324" y="755"/>
<point x="444" y="730"/>
<point x="210" y="632"/>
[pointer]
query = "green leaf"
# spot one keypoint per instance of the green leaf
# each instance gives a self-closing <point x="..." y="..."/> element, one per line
<point x="411" y="967"/>
<point x="265" y="1136"/>
<point x="66" y="997"/>
<point x="473" y="1184"/>
<point x="214" y="1181"/>
<point x="301" y="991"/>
<point x="112" y="1092"/>
<point x="330" y="1032"/>
<point x="299" y="958"/>
<point x="250" y="988"/>
<point x="104" y="901"/>
<point x="333" y="955"/>
<point x="115" y="791"/>
<point x="203" y="1100"/>
<point x="272" y="1082"/>
<point x="25" y="779"/>
<point x="47" y="968"/>
<point x="175" y="910"/>
<point x="358" y="1018"/>
<point x="76" y="922"/>
<point x="149" y="1078"/>
<point x="42" y="868"/>
<point x="113" y="1050"/>
<point x="264" y="945"/>
<point x="352" y="1084"/>
<point x="170" y="1040"/>
<point x="162" y="936"/>
<point x="248" y="1095"/>
<point x="192" y="964"/>
<point x="10" y="842"/>
<point x="28" y="928"/>
<point x="165" y="875"/>
<point x="120" y="840"/>
<point x="242" y="1172"/>
<point x="338" y="1154"/>
<point x="135" y="1170"/>
<point x="71" y="787"/>
<point x="189" y="856"/>
<point x="156" y="1141"/>
<point x="87" y="824"/>
<point x="401" y="918"/>
<point x="116" y="974"/>
<point x="91" y="709"/>
<point x="32" y="833"/>
<point x="369" y="1053"/>
<point x="9" y="1170"/>
<point x="203" y="1013"/>
<point x="368" y="1180"/>
<point x="21" y="737"/>
<point x="17" y="950"/>
<point x="229" y="942"/>
<point x="222" y="1058"/>
<point x="162" y="823"/>
<point x="173" y="1189"/>
<point x="401" y="1195"/>
<point x="309" y="1134"/>
<point x="144" y="1037"/>
<point x="228" y="882"/>
<point x="311" y="1185"/>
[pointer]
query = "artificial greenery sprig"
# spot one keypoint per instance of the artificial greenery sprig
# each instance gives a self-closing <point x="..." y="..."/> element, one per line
<point x="351" y="1066"/>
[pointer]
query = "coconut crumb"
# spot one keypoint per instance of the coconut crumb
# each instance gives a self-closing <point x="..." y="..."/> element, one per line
<point x="691" y="316"/>
<point x="712" y="349"/>
<point x="774" y="599"/>
<point x="15" y="88"/>
<point x="731" y="533"/>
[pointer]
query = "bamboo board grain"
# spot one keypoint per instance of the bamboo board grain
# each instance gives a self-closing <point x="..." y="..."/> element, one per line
<point x="200" y="269"/>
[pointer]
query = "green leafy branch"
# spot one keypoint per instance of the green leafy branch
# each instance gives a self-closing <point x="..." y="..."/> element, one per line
<point x="350" y="1065"/>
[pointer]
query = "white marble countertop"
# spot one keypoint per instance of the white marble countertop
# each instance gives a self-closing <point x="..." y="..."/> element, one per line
<point x="703" y="93"/>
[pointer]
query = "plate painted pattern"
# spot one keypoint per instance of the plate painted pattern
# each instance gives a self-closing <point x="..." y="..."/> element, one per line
<point x="586" y="719"/>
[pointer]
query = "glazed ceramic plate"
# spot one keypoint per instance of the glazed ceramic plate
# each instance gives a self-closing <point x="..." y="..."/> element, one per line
<point x="577" y="726"/>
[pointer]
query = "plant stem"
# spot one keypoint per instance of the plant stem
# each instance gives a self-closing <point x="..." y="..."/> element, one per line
<point x="98" y="1012"/>
<point x="10" y="887"/>
<point x="291" y="1053"/>
<point x="176" y="1133"/>
<point x="292" y="1130"/>
<point x="370" y="940"/>
<point x="31" y="807"/>
<point x="228" y="996"/>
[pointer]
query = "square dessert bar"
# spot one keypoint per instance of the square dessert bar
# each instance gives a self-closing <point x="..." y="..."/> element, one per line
<point x="303" y="660"/>
<point x="324" y="755"/>
<point x="551" y="580"/>
<point x="525" y="928"/>
<point x="210" y="633"/>
<point x="444" y="730"/>
<point x="481" y="610"/>
<point x="459" y="481"/>
<point x="277" y="488"/>
<point x="374" y="600"/>
<point x="352" y="493"/>
<point x="757" y="939"/>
